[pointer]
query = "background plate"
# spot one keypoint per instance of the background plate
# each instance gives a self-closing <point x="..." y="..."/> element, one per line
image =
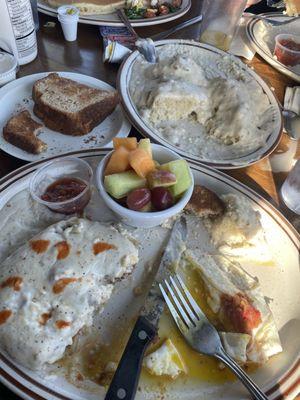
<point x="124" y="78"/>
<point x="16" y="96"/>
<point x="262" y="37"/>
<point x="280" y="284"/>
<point x="113" y="20"/>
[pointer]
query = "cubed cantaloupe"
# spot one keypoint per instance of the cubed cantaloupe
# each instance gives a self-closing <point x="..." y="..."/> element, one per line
<point x="141" y="162"/>
<point x="118" y="162"/>
<point x="130" y="143"/>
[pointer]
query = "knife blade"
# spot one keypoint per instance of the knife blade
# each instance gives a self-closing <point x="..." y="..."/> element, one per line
<point x="126" y="377"/>
<point x="166" y="33"/>
<point x="154" y="303"/>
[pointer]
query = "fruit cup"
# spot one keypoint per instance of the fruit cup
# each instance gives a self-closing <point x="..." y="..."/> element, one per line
<point x="140" y="219"/>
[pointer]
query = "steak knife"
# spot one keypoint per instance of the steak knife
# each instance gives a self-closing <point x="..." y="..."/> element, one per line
<point x="126" y="377"/>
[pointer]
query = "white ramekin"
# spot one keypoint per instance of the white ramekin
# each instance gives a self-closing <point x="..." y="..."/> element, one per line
<point x="140" y="219"/>
<point x="8" y="68"/>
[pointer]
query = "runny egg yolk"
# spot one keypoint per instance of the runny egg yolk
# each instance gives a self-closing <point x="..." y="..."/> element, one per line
<point x="199" y="366"/>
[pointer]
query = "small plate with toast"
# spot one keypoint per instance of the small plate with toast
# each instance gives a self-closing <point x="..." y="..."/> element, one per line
<point x="46" y="114"/>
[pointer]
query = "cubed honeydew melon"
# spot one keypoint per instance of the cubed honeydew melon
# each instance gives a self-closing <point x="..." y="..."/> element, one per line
<point x="119" y="185"/>
<point x="181" y="170"/>
<point x="145" y="144"/>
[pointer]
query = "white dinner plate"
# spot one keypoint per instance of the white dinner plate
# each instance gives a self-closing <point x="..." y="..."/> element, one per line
<point x="214" y="55"/>
<point x="113" y="20"/>
<point x="262" y="37"/>
<point x="279" y="283"/>
<point x="17" y="96"/>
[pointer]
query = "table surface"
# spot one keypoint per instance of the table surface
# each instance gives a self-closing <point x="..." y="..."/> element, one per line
<point x="85" y="56"/>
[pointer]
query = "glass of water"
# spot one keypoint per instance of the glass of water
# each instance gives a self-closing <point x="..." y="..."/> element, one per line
<point x="290" y="190"/>
<point x="220" y="21"/>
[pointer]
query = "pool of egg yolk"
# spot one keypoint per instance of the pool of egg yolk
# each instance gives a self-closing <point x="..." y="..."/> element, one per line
<point x="93" y="360"/>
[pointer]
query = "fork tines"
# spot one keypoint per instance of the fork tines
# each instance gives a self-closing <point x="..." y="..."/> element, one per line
<point x="181" y="303"/>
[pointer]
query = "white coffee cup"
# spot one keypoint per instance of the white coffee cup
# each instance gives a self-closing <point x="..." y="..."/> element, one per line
<point x="68" y="12"/>
<point x="68" y="17"/>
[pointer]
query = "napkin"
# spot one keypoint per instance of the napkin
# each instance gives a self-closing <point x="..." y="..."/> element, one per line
<point x="241" y="44"/>
<point x="292" y="99"/>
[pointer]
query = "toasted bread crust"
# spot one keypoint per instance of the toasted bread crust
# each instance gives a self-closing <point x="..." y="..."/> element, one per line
<point x="21" y="130"/>
<point x="94" y="105"/>
<point x="205" y="203"/>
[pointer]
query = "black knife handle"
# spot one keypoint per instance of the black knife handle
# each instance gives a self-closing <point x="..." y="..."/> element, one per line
<point x="126" y="377"/>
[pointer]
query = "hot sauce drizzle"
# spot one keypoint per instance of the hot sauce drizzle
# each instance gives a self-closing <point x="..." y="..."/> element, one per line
<point x="39" y="246"/>
<point x="60" y="285"/>
<point x="44" y="318"/>
<point x="63" y="249"/>
<point x="100" y="247"/>
<point x="4" y="315"/>
<point x="61" y="324"/>
<point x="14" y="282"/>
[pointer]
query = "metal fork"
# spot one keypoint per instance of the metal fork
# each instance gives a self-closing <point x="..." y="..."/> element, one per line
<point x="198" y="331"/>
<point x="145" y="46"/>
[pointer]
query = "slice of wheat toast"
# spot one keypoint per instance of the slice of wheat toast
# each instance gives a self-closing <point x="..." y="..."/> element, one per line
<point x="21" y="131"/>
<point x="70" y="107"/>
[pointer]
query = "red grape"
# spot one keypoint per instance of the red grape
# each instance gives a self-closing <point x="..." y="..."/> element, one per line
<point x="138" y="199"/>
<point x="161" y="198"/>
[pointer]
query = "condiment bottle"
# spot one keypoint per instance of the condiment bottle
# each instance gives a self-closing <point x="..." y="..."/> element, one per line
<point x="17" y="30"/>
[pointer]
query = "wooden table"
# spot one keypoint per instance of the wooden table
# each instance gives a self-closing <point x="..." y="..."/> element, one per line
<point x="85" y="56"/>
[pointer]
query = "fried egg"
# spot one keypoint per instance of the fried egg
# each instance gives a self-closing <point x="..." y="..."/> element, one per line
<point x="238" y="232"/>
<point x="51" y="286"/>
<point x="238" y="303"/>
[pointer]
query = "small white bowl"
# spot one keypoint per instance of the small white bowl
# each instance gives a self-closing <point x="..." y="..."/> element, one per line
<point x="140" y="219"/>
<point x="8" y="68"/>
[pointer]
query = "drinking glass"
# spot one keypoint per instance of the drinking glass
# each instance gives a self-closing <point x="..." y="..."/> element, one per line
<point x="290" y="190"/>
<point x="220" y="21"/>
<point x="35" y="14"/>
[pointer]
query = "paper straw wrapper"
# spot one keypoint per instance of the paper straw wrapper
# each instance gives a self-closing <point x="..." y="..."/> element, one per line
<point x="115" y="52"/>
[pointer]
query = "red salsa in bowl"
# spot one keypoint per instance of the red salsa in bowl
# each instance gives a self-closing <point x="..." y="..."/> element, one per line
<point x="287" y="49"/>
<point x="63" y="189"/>
<point x="63" y="185"/>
